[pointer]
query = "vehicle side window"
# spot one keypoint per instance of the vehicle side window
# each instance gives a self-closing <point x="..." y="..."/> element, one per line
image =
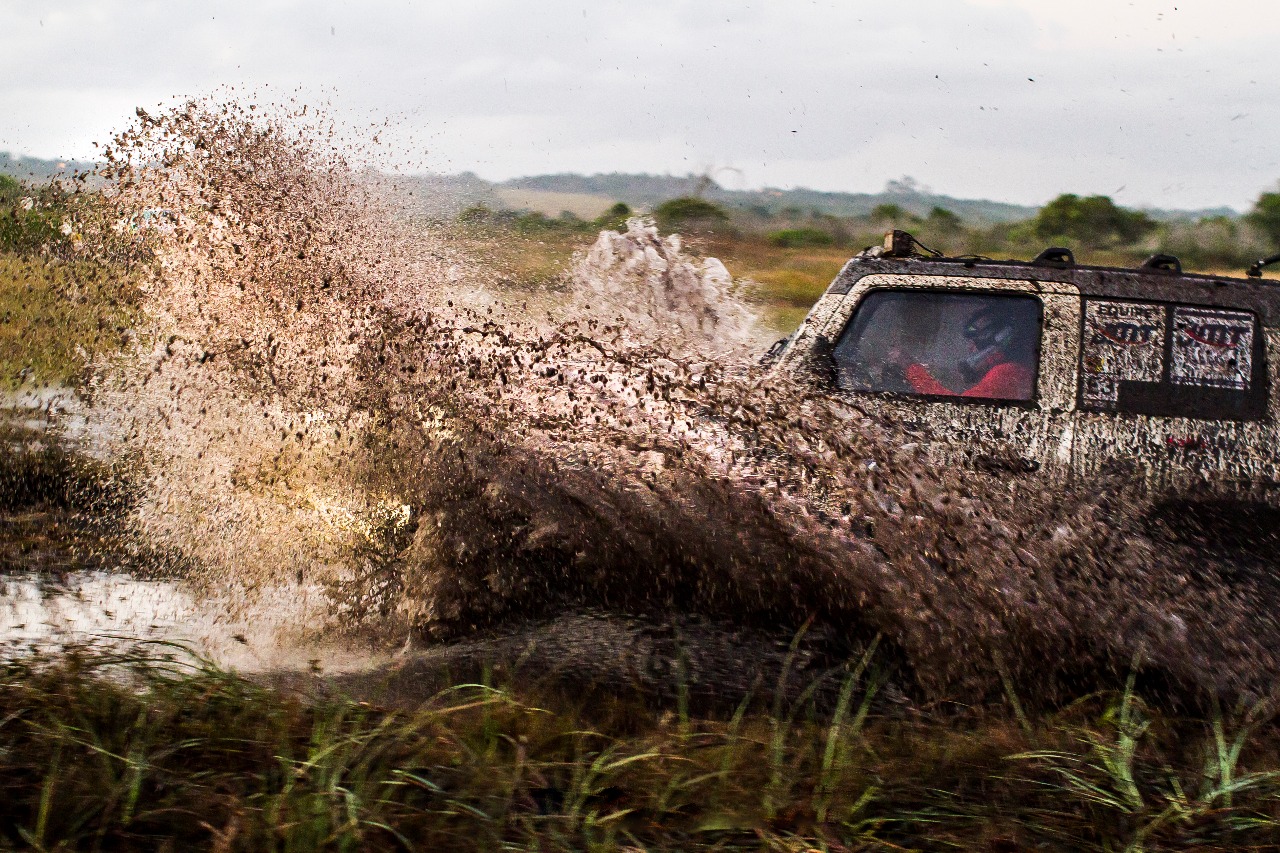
<point x="933" y="344"/>
<point x="1153" y="358"/>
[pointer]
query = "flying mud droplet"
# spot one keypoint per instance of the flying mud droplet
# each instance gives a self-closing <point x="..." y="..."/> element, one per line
<point x="323" y="391"/>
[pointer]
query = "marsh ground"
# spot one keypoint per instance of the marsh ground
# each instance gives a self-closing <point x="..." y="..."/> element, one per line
<point x="501" y="745"/>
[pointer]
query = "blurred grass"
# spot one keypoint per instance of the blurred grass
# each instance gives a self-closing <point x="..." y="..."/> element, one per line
<point x="787" y="280"/>
<point x="523" y="260"/>
<point x="132" y="750"/>
<point x="54" y="314"/>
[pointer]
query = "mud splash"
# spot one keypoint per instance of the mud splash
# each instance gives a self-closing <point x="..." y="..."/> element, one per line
<point x="324" y="392"/>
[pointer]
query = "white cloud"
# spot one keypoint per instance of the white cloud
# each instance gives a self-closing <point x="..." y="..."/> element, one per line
<point x="1011" y="99"/>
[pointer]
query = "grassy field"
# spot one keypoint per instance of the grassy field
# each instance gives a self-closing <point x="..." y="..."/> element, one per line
<point x="523" y="261"/>
<point x="788" y="280"/>
<point x="785" y="281"/>
<point x="553" y="204"/>
<point x="131" y="751"/>
<point x="139" y="750"/>
<point x="54" y="315"/>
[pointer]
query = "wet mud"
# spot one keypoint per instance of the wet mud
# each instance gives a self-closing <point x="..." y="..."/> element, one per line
<point x="678" y="663"/>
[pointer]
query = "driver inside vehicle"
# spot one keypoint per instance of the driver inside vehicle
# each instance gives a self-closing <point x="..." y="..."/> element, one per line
<point x="998" y="365"/>
<point x="941" y="344"/>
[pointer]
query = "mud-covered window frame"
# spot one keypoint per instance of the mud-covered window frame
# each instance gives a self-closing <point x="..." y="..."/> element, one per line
<point x="1259" y="393"/>
<point x="1031" y="403"/>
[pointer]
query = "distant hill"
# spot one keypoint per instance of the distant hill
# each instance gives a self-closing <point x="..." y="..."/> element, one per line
<point x="644" y="192"/>
<point x="446" y="196"/>
<point x="1190" y="215"/>
<point x="638" y="190"/>
<point x="647" y="191"/>
<point x="441" y="196"/>
<point x="36" y="170"/>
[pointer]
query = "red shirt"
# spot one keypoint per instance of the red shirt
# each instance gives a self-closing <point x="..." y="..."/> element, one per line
<point x="1006" y="381"/>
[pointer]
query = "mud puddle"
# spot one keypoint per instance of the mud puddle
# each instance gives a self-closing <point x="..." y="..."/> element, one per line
<point x="106" y="610"/>
<point x="44" y="409"/>
<point x="64" y="585"/>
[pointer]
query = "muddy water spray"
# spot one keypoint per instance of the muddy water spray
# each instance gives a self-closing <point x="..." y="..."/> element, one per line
<point x="323" y="393"/>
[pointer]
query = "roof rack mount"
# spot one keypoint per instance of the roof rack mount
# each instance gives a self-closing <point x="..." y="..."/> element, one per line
<point x="1056" y="256"/>
<point x="1164" y="263"/>
<point x="1255" y="271"/>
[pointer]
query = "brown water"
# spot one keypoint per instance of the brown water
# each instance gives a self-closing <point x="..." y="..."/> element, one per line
<point x="326" y="394"/>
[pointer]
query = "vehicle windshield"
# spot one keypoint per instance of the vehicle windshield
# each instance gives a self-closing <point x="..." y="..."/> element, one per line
<point x="979" y="346"/>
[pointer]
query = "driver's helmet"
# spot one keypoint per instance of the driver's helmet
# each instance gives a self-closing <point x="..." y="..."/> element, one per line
<point x="991" y="327"/>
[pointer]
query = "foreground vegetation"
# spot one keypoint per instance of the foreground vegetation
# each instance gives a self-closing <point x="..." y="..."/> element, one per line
<point x="55" y="316"/>
<point x="133" y="751"/>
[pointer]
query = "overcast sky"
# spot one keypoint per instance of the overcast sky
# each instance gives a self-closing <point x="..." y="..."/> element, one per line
<point x="1167" y="104"/>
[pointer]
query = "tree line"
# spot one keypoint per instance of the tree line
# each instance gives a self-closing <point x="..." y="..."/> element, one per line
<point x="1093" y="225"/>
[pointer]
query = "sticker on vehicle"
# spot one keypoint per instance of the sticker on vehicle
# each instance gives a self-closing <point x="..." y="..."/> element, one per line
<point x="1212" y="348"/>
<point x="1123" y="342"/>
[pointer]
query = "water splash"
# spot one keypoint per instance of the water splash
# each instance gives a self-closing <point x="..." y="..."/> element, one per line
<point x="648" y="287"/>
<point x="324" y="392"/>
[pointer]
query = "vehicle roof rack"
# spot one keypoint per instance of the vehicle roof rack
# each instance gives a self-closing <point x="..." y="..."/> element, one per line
<point x="1056" y="256"/>
<point x="1255" y="271"/>
<point x="1164" y="263"/>
<point x="903" y="244"/>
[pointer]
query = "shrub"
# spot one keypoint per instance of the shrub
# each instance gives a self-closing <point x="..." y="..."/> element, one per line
<point x="475" y="215"/>
<point x="615" y="217"/>
<point x="892" y="213"/>
<point x="689" y="210"/>
<point x="1093" y="220"/>
<point x="1265" y="216"/>
<point x="11" y="190"/>
<point x="942" y="220"/>
<point x="33" y="227"/>
<point x="535" y="221"/>
<point x="792" y="237"/>
<point x="1212" y="243"/>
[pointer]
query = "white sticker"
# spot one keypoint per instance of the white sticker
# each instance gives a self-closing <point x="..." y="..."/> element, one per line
<point x="1123" y="342"/>
<point x="1212" y="348"/>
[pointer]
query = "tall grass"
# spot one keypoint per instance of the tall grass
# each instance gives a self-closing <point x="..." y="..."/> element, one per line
<point x="136" y="750"/>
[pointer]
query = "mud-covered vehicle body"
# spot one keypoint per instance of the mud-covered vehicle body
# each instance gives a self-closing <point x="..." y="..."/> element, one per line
<point x="1059" y="369"/>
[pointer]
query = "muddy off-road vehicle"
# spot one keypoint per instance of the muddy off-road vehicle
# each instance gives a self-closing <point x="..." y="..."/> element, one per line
<point x="1052" y="368"/>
